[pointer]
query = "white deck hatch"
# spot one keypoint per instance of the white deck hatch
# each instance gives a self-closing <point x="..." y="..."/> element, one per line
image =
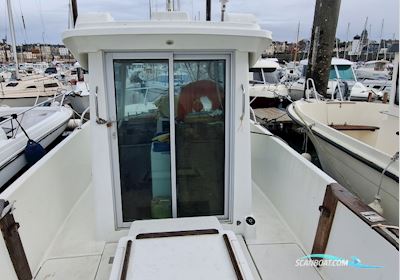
<point x="180" y="254"/>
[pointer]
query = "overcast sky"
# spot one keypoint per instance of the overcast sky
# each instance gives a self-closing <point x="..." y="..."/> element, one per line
<point x="48" y="18"/>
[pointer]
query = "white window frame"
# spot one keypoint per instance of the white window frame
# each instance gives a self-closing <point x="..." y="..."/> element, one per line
<point x="113" y="133"/>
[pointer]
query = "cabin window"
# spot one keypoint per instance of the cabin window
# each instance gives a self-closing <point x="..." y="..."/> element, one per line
<point x="379" y="66"/>
<point x="257" y="75"/>
<point x="11" y="84"/>
<point x="51" y="85"/>
<point x="28" y="87"/>
<point x="170" y="150"/>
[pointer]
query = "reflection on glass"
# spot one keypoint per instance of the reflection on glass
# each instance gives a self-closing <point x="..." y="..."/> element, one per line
<point x="141" y="94"/>
<point x="332" y="73"/>
<point x="200" y="136"/>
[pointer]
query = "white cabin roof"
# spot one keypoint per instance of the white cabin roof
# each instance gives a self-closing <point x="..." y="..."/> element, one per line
<point x="376" y="61"/>
<point x="169" y="31"/>
<point x="266" y="63"/>
<point x="335" y="61"/>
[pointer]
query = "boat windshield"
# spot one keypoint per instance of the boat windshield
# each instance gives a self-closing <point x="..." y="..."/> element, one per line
<point x="271" y="75"/>
<point x="380" y="66"/>
<point x="332" y="73"/>
<point x="346" y="72"/>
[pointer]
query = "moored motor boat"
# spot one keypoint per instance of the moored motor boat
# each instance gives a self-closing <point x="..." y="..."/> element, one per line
<point x="42" y="124"/>
<point x="29" y="91"/>
<point x="265" y="88"/>
<point x="342" y="82"/>
<point x="356" y="142"/>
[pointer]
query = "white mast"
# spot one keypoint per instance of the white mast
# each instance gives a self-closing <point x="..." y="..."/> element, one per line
<point x="297" y="42"/>
<point x="366" y="56"/>
<point x="347" y="40"/>
<point x="380" y="40"/>
<point x="13" y="41"/>
<point x="361" y="44"/>
<point x="337" y="48"/>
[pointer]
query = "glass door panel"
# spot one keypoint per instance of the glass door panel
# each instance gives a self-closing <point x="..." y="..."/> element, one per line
<point x="142" y="113"/>
<point x="199" y="91"/>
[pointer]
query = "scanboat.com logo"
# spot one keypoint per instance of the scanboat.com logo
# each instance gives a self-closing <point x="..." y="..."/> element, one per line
<point x="330" y="260"/>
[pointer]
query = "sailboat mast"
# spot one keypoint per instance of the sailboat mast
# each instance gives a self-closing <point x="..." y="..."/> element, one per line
<point x="297" y="42"/>
<point x="380" y="40"/>
<point x="13" y="41"/>
<point x="347" y="40"/>
<point x="337" y="47"/>
<point x="361" y="44"/>
<point x="366" y="55"/>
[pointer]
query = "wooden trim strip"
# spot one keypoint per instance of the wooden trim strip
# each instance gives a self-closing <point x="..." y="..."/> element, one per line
<point x="176" y="233"/>
<point x="233" y="257"/>
<point x="327" y="213"/>
<point x="353" y="127"/>
<point x="126" y="260"/>
<point x="333" y="194"/>
<point x="354" y="204"/>
<point x="12" y="240"/>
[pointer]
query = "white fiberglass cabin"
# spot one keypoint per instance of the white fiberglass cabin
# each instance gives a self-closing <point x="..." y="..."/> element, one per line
<point x="171" y="179"/>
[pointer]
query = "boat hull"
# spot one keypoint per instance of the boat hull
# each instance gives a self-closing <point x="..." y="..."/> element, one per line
<point x="359" y="177"/>
<point x="355" y="165"/>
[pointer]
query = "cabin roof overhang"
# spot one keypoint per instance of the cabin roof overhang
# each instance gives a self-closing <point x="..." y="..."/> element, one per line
<point x="165" y="36"/>
<point x="266" y="63"/>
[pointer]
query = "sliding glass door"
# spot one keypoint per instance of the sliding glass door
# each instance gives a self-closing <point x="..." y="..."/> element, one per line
<point x="199" y="87"/>
<point x="170" y="156"/>
<point x="142" y="114"/>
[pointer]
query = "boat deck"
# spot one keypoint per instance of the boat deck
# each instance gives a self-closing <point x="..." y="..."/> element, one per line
<point x="272" y="114"/>
<point x="76" y="255"/>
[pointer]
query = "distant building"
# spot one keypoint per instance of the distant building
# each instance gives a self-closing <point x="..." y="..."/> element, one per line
<point x="35" y="53"/>
<point x="63" y="51"/>
<point x="356" y="46"/>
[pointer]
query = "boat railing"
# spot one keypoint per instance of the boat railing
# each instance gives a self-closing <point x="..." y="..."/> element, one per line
<point x="312" y="89"/>
<point x="49" y="102"/>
